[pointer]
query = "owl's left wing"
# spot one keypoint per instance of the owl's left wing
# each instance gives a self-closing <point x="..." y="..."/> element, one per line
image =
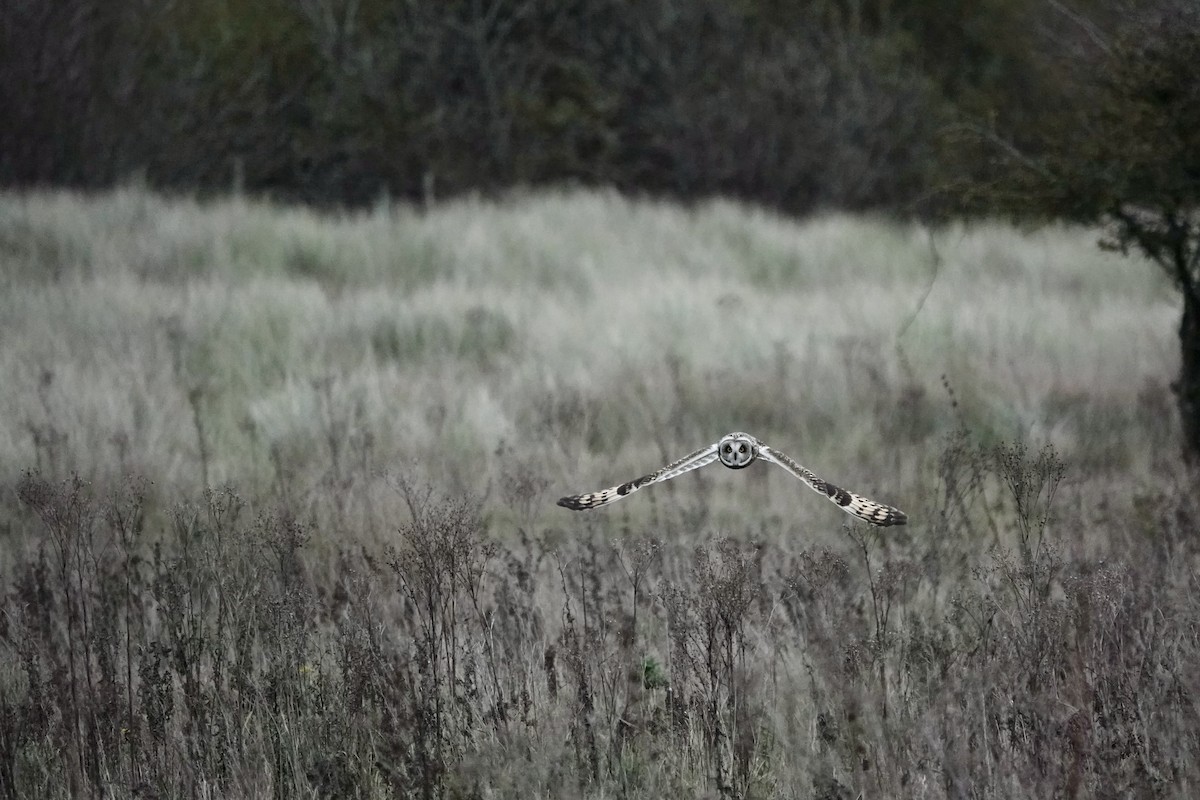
<point x="851" y="503"/>
<point x="700" y="458"/>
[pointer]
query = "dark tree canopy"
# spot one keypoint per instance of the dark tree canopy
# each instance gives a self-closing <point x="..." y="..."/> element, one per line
<point x="834" y="103"/>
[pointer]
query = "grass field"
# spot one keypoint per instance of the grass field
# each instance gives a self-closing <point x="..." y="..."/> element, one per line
<point x="311" y="548"/>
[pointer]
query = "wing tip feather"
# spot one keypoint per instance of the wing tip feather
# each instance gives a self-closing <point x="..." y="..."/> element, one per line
<point x="574" y="502"/>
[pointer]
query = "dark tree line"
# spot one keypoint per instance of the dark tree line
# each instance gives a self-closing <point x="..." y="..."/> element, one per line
<point x="833" y="103"/>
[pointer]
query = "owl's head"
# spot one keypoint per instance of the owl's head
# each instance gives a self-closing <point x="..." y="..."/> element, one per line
<point x="737" y="450"/>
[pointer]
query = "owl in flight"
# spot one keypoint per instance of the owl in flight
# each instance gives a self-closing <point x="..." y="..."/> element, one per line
<point x="737" y="451"/>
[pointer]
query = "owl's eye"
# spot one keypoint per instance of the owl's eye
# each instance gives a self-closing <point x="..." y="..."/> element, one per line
<point x="742" y="449"/>
<point x="728" y="448"/>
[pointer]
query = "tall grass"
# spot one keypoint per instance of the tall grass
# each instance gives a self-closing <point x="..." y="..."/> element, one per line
<point x="237" y="340"/>
<point x="389" y="604"/>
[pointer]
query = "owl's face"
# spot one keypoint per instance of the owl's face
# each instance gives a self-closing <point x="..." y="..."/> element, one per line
<point x="737" y="450"/>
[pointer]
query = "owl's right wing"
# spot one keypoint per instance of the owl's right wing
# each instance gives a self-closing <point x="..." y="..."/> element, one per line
<point x="851" y="503"/>
<point x="700" y="458"/>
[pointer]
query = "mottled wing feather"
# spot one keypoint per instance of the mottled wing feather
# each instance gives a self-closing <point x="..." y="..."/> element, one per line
<point x="700" y="458"/>
<point x="851" y="503"/>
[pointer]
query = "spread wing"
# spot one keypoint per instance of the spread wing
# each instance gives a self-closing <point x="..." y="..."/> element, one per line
<point x="700" y="458"/>
<point x="851" y="503"/>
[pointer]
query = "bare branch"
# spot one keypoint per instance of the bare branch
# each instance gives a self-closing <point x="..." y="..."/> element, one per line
<point x="1086" y="25"/>
<point x="991" y="136"/>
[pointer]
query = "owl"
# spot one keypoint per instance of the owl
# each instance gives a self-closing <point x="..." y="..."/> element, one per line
<point x="738" y="451"/>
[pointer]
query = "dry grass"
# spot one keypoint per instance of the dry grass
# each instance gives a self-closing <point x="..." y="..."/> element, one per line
<point x="336" y="628"/>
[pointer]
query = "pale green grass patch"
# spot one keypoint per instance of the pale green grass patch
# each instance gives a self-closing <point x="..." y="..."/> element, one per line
<point x="594" y="333"/>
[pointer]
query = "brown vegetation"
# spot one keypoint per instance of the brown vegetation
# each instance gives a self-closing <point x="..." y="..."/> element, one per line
<point x="160" y="656"/>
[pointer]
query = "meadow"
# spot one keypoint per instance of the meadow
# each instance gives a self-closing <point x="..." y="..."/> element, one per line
<point x="277" y="505"/>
